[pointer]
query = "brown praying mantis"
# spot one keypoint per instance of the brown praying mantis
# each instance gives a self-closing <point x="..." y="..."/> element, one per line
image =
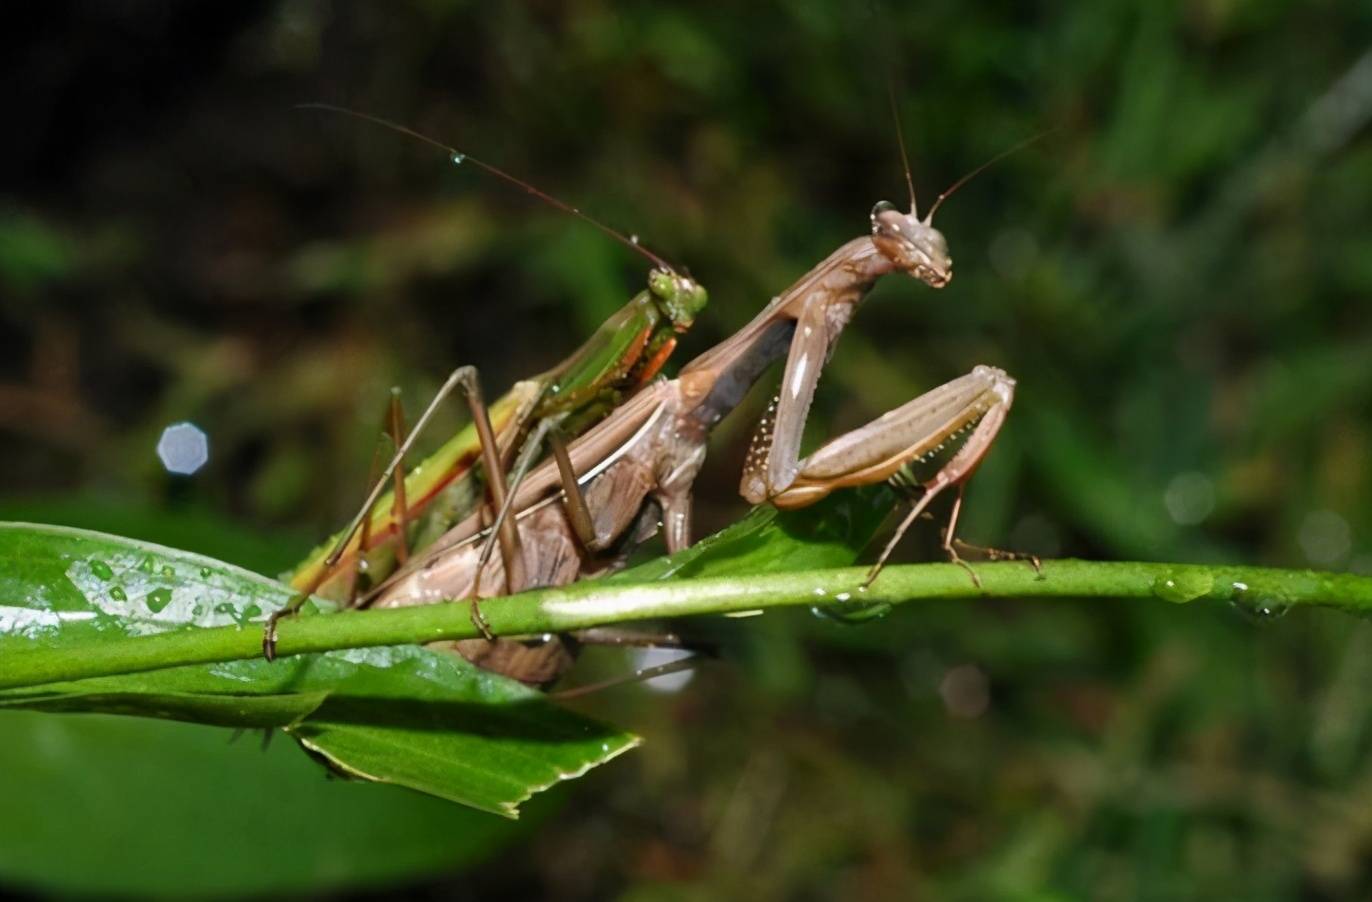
<point x="577" y="514"/>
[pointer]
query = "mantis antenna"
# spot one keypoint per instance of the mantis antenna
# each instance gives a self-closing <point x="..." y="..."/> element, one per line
<point x="980" y="169"/>
<point x="458" y="157"/>
<point x="900" y="138"/>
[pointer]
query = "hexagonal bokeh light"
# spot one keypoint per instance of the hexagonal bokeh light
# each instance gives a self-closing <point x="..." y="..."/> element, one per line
<point x="183" y="448"/>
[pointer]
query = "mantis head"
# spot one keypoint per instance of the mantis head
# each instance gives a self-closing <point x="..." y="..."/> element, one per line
<point x="681" y="298"/>
<point x="913" y="245"/>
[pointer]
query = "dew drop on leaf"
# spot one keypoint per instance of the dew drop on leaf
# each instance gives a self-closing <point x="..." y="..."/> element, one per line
<point x="158" y="599"/>
<point x="1181" y="586"/>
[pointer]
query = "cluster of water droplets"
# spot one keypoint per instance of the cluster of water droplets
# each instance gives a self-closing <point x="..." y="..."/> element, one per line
<point x="1185" y="585"/>
<point x="146" y="598"/>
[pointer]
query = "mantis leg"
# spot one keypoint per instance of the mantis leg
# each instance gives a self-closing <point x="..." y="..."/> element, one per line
<point x="625" y="638"/>
<point x="400" y="507"/>
<point x="394" y="426"/>
<point x="466" y="379"/>
<point x="690" y="662"/>
<point x="978" y="401"/>
<point x="578" y="512"/>
<point x="774" y="457"/>
<point x="951" y="545"/>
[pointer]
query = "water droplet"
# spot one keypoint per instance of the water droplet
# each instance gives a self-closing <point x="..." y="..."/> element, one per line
<point x="1257" y="605"/>
<point x="197" y="610"/>
<point x="205" y="573"/>
<point x="852" y="613"/>
<point x="102" y="570"/>
<point x="458" y="158"/>
<point x="251" y="611"/>
<point x="168" y="571"/>
<point x="633" y="239"/>
<point x="882" y="206"/>
<point x="145" y="565"/>
<point x="223" y="607"/>
<point x="158" y="599"/>
<point x="1181" y="586"/>
<point x="118" y="594"/>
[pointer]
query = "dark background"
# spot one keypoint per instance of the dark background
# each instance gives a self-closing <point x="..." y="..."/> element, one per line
<point x="1178" y="275"/>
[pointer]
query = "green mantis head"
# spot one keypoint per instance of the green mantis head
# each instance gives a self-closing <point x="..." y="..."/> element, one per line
<point x="681" y="298"/>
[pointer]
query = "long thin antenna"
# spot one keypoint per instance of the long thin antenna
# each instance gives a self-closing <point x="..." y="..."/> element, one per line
<point x="982" y="168"/>
<point x="900" y="137"/>
<point x="882" y="29"/>
<point x="458" y="157"/>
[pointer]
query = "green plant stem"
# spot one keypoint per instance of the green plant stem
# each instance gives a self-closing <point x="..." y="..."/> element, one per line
<point x="587" y="604"/>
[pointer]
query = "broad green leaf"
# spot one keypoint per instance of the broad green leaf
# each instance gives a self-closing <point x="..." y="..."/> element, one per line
<point x="407" y="715"/>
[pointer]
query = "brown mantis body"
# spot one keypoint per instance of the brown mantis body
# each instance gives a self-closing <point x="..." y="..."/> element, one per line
<point x="613" y="485"/>
<point x="576" y="515"/>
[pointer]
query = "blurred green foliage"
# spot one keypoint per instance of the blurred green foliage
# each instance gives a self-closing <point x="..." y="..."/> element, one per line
<point x="1178" y="275"/>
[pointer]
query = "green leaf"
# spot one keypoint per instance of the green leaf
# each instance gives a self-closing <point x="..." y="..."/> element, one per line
<point x="832" y="533"/>
<point x="403" y="714"/>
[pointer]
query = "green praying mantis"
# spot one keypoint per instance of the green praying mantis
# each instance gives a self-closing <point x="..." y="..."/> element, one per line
<point x="579" y="513"/>
<point x="623" y="355"/>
